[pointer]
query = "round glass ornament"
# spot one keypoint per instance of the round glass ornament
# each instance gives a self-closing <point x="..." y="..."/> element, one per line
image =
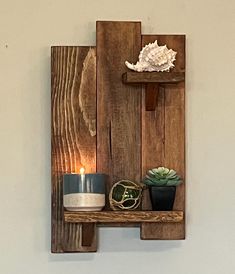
<point x="125" y="195"/>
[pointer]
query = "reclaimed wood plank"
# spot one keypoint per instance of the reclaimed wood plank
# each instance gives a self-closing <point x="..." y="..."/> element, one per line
<point x="168" y="148"/>
<point x="153" y="139"/>
<point x="73" y="134"/>
<point x="153" y="77"/>
<point x="118" y="105"/>
<point x="124" y="216"/>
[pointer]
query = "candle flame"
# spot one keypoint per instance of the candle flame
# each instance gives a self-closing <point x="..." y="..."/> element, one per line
<point x="82" y="170"/>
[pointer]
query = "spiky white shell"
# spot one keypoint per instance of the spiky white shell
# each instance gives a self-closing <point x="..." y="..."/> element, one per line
<point x="154" y="58"/>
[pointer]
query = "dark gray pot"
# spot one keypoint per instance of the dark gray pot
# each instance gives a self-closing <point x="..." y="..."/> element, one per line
<point x="162" y="197"/>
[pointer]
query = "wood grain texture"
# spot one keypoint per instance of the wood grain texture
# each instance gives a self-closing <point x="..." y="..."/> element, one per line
<point x="124" y="216"/>
<point x="153" y="138"/>
<point x="73" y="129"/>
<point x="118" y="105"/>
<point x="153" y="77"/>
<point x="163" y="138"/>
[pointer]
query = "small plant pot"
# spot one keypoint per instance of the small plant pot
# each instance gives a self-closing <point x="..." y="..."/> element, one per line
<point x="162" y="197"/>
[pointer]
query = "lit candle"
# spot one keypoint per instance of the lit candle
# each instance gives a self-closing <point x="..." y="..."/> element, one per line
<point x="84" y="191"/>
<point x="82" y="172"/>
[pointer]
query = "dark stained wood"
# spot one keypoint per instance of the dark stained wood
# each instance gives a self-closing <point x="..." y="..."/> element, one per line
<point x="124" y="217"/>
<point x="153" y="77"/>
<point x="73" y="134"/>
<point x="151" y="94"/>
<point x="118" y="105"/>
<point x="88" y="233"/>
<point x="168" y="147"/>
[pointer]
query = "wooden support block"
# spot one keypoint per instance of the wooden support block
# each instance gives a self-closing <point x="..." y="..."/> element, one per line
<point x="151" y="94"/>
<point x="88" y="233"/>
<point x="73" y="134"/>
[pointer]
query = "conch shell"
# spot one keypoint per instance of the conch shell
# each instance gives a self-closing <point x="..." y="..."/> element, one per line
<point x="154" y="58"/>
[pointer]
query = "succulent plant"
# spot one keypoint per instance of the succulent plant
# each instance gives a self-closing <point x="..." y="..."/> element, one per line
<point x="162" y="176"/>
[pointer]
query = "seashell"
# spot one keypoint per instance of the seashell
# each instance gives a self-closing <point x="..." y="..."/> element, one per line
<point x="154" y="58"/>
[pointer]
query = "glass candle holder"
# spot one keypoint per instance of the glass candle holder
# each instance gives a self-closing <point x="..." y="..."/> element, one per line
<point x="84" y="192"/>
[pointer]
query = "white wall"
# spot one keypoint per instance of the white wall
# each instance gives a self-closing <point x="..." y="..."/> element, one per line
<point x="27" y="30"/>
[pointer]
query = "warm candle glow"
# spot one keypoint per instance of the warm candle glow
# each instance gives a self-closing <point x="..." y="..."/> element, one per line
<point x="82" y="170"/>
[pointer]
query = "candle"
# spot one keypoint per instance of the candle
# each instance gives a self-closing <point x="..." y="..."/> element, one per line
<point x="82" y="172"/>
<point x="84" y="192"/>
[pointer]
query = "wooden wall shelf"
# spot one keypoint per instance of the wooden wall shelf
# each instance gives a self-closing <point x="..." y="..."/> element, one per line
<point x="124" y="217"/>
<point x="100" y="122"/>
<point x="153" y="77"/>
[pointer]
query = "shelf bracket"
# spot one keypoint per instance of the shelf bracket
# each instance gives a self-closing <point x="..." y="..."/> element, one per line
<point x="88" y="231"/>
<point x="151" y="95"/>
<point x="152" y="81"/>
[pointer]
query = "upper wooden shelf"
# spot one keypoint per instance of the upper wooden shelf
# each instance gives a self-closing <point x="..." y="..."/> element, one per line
<point x="124" y="217"/>
<point x="153" y="77"/>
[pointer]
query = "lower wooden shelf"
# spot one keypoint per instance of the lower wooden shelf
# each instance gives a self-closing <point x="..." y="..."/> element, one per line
<point x="124" y="217"/>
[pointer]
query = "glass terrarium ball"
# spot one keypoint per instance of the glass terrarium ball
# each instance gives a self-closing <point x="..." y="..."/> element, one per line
<point x="125" y="195"/>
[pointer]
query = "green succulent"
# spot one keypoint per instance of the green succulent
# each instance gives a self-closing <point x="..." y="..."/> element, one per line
<point x="162" y="176"/>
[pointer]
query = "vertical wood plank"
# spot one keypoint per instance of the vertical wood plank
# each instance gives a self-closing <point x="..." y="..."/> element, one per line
<point x="168" y="147"/>
<point x="73" y="133"/>
<point x="118" y="105"/>
<point x="153" y="138"/>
